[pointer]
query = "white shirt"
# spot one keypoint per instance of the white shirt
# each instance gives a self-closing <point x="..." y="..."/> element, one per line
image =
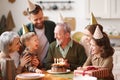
<point x="44" y="44"/>
<point x="16" y="57"/>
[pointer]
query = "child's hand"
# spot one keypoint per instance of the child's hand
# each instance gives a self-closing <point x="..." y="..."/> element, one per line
<point x="35" y="62"/>
<point x="78" y="68"/>
<point x="38" y="71"/>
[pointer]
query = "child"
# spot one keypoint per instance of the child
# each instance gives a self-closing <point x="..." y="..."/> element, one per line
<point x="101" y="52"/>
<point x="31" y="43"/>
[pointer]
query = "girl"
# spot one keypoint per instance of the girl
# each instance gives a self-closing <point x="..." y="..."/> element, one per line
<point x="101" y="52"/>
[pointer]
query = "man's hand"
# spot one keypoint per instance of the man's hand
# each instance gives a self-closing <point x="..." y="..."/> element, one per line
<point x="67" y="65"/>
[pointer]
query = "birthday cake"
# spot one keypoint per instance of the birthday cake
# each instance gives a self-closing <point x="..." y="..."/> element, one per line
<point x="58" y="66"/>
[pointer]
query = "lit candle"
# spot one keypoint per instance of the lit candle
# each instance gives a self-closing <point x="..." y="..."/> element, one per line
<point x="55" y="60"/>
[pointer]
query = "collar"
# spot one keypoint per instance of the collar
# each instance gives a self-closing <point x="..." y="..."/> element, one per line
<point x="70" y="44"/>
<point x="96" y="57"/>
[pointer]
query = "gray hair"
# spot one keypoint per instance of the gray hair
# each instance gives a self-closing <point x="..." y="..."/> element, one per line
<point x="26" y="37"/>
<point x="66" y="26"/>
<point x="6" y="40"/>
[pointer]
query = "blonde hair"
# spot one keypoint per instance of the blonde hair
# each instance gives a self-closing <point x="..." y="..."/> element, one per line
<point x="26" y="37"/>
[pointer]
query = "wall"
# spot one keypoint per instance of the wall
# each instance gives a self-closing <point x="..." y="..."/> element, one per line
<point x="78" y="12"/>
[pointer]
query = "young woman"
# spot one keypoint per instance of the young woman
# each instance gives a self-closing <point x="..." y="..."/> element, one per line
<point x="87" y="35"/>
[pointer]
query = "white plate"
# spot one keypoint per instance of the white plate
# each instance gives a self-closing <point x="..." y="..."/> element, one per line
<point x="30" y="75"/>
<point x="49" y="71"/>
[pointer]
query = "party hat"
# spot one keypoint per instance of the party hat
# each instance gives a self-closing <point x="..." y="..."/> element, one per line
<point x="31" y="6"/>
<point x="25" y="30"/>
<point x="93" y="19"/>
<point x="97" y="34"/>
<point x="60" y="18"/>
<point x="10" y="22"/>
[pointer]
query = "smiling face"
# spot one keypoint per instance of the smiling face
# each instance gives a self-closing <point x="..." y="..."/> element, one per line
<point x="95" y="49"/>
<point x="87" y="37"/>
<point x="60" y="35"/>
<point x="15" y="45"/>
<point x="37" y="19"/>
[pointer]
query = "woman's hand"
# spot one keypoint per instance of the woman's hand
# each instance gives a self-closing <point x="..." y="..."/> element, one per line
<point x="24" y="60"/>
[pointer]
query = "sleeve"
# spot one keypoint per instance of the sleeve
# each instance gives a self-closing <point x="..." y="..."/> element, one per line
<point x="88" y="61"/>
<point x="30" y="68"/>
<point x="108" y="62"/>
<point x="40" y="65"/>
<point x="19" y="69"/>
<point x="49" y="59"/>
<point x="20" y="32"/>
<point x="81" y="57"/>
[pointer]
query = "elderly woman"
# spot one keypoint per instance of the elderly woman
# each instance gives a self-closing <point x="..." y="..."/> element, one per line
<point x="9" y="45"/>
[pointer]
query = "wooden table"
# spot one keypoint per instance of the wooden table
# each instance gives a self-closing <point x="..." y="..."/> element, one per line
<point x="49" y="76"/>
<point x="66" y="76"/>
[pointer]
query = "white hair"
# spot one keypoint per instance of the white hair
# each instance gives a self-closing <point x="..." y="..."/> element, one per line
<point x="6" y="39"/>
<point x="65" y="26"/>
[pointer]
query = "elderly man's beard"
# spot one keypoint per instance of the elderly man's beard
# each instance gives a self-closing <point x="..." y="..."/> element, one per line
<point x="58" y="42"/>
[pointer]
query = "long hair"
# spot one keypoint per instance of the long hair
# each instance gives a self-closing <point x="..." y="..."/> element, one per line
<point x="105" y="43"/>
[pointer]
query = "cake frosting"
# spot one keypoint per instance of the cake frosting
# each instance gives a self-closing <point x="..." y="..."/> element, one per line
<point x="58" y="65"/>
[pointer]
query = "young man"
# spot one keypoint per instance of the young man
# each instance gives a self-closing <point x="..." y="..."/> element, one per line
<point x="43" y="28"/>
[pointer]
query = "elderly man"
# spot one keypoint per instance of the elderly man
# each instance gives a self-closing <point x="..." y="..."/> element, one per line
<point x="64" y="47"/>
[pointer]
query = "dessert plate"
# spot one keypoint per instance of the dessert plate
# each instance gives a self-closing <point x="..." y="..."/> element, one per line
<point x="49" y="71"/>
<point x="30" y="76"/>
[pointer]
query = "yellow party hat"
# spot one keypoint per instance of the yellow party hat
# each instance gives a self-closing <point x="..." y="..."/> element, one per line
<point x="31" y="6"/>
<point x="97" y="34"/>
<point x="93" y="19"/>
<point x="25" y="29"/>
